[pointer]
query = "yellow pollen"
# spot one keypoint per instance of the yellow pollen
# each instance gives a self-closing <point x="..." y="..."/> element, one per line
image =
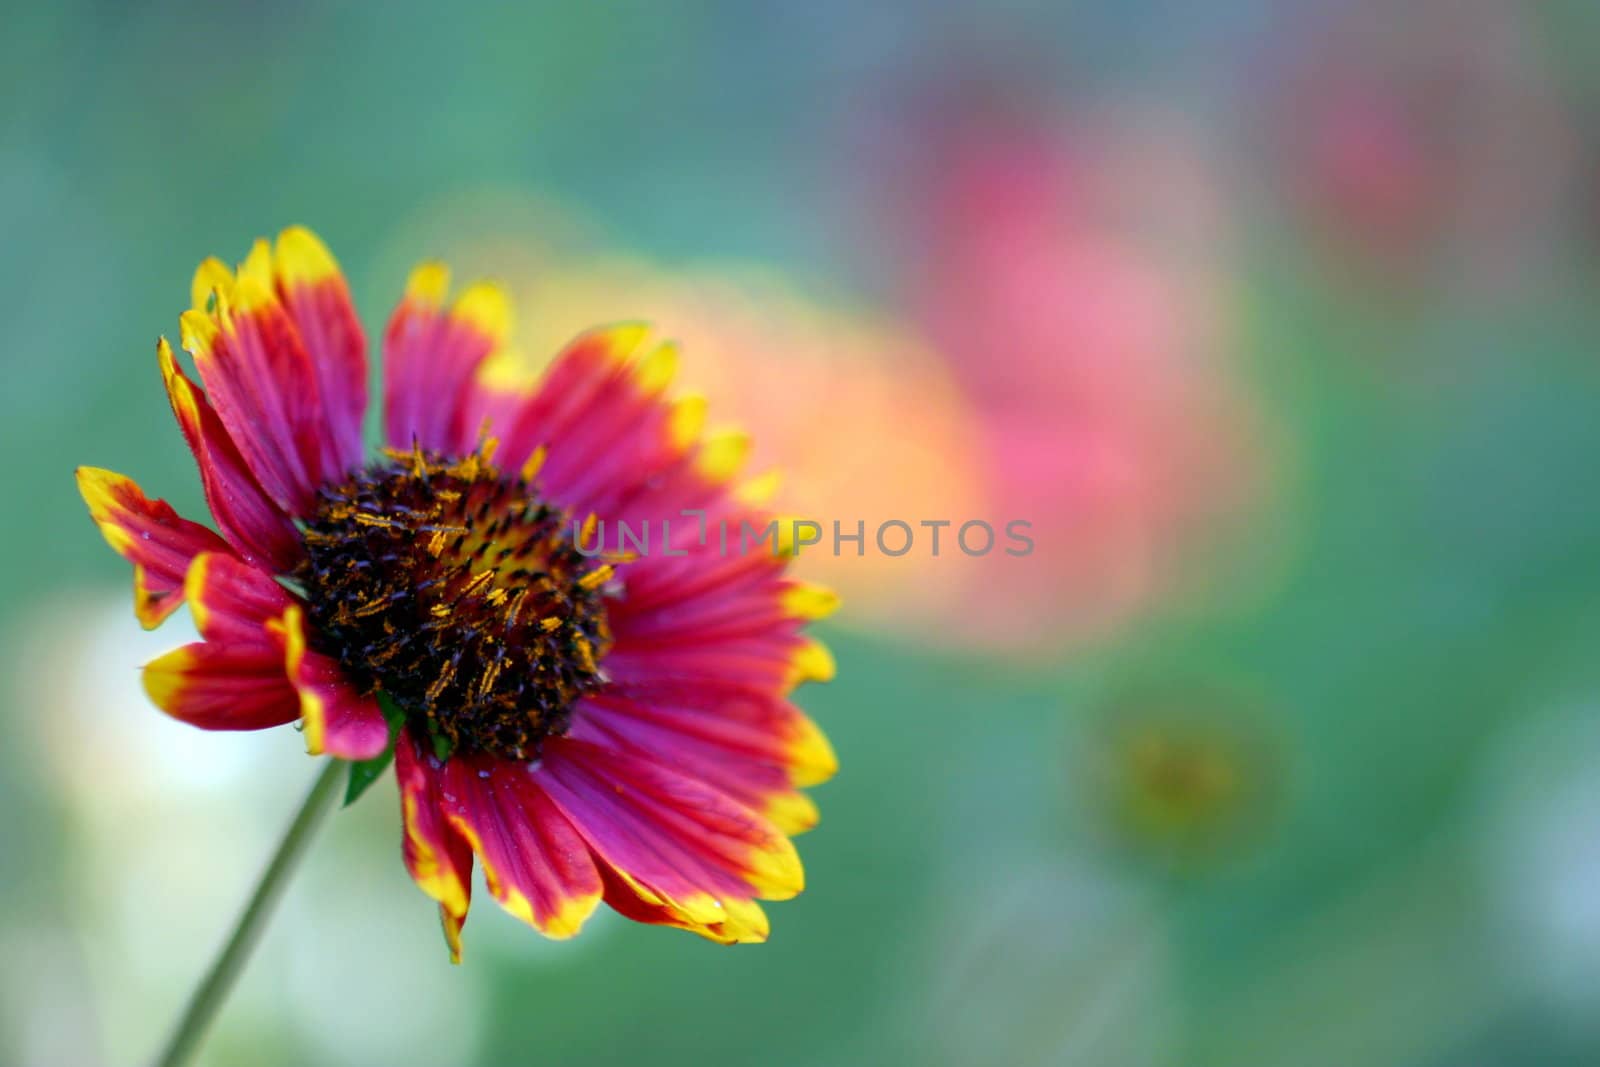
<point x="446" y="674"/>
<point x="597" y="577"/>
<point x="514" y="609"/>
<point x="530" y="469"/>
<point x="490" y="673"/>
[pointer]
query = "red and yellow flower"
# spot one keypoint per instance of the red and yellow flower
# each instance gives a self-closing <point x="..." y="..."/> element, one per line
<point x="588" y="726"/>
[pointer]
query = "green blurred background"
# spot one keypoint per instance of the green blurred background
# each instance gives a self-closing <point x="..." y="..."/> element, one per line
<point x="1312" y="781"/>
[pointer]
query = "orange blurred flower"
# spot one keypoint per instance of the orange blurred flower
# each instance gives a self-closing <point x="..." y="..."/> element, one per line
<point x="860" y="423"/>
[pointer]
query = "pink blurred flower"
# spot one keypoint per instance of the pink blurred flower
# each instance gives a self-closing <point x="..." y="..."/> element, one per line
<point x="1071" y="282"/>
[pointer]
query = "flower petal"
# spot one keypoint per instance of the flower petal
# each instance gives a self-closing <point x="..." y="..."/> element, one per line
<point x="748" y="721"/>
<point x="318" y="301"/>
<point x="439" y="859"/>
<point x="618" y="446"/>
<point x="678" y="844"/>
<point x="264" y="385"/>
<point x="150" y="535"/>
<point x="758" y="760"/>
<point x="714" y="597"/>
<point x="739" y="920"/>
<point x="222" y="686"/>
<point x="602" y="414"/>
<point x="594" y="406"/>
<point x="706" y="613"/>
<point x="775" y="662"/>
<point x="256" y="527"/>
<point x="337" y="717"/>
<point x="233" y="602"/>
<point x="534" y="862"/>
<point x="430" y="356"/>
<point x="592" y="366"/>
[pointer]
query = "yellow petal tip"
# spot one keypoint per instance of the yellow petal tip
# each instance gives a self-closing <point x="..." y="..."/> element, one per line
<point x="687" y="419"/>
<point x="810" y="756"/>
<point x="657" y="369"/>
<point x="257" y="266"/>
<point x="197" y="332"/>
<point x="486" y="307"/>
<point x="722" y="455"/>
<point x="761" y="489"/>
<point x="812" y="662"/>
<point x="776" y="871"/>
<point x="428" y="284"/>
<point x="807" y="600"/>
<point x="252" y="293"/>
<point x="211" y="276"/>
<point x="163" y="677"/>
<point x="302" y="259"/>
<point x="622" y="339"/>
<point x="792" y="812"/>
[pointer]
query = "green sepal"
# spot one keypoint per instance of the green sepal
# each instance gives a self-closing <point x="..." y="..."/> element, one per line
<point x="364" y="772"/>
<point x="442" y="747"/>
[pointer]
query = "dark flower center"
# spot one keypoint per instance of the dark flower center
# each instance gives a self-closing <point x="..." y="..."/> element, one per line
<point x="455" y="592"/>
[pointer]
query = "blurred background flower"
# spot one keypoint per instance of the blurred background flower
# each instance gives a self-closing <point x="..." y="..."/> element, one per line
<point x="1423" y="144"/>
<point x="1179" y="773"/>
<point x="1275" y="320"/>
<point x="1072" y="271"/>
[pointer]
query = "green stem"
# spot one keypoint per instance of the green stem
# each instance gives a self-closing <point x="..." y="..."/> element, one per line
<point x="214" y="987"/>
